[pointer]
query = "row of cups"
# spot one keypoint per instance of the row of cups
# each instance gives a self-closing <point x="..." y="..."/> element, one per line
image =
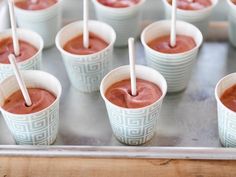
<point x="130" y="126"/>
<point x="48" y="21"/>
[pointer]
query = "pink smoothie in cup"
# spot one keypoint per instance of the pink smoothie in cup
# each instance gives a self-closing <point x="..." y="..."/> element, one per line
<point x="39" y="5"/>
<point x="6" y="47"/>
<point x="120" y="94"/>
<point x="75" y="45"/>
<point x="119" y="3"/>
<point x="194" y="5"/>
<point x="40" y="98"/>
<point x="162" y="44"/>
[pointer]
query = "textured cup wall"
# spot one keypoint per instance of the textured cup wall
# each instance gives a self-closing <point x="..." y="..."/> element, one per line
<point x="87" y="71"/>
<point x="133" y="126"/>
<point x="33" y="63"/>
<point x="226" y="117"/>
<point x="176" y="68"/>
<point x="199" y="18"/>
<point x="46" y="22"/>
<point x="232" y="22"/>
<point x="38" y="128"/>
<point x="125" y="21"/>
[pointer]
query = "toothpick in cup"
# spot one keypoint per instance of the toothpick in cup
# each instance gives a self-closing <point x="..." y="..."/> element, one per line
<point x="173" y="25"/>
<point x="85" y="27"/>
<point x="20" y="80"/>
<point x="15" y="39"/>
<point x="132" y="66"/>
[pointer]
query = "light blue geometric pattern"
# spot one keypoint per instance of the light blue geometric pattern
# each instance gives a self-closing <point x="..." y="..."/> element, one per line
<point x="227" y="126"/>
<point x="32" y="64"/>
<point x="87" y="72"/>
<point x="133" y="126"/>
<point x="37" y="129"/>
<point x="177" y="72"/>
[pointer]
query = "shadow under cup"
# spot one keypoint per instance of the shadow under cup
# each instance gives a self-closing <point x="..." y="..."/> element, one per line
<point x="133" y="126"/>
<point x="39" y="128"/>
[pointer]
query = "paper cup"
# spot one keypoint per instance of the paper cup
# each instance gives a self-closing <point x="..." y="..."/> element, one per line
<point x="125" y="21"/>
<point x="232" y="22"/>
<point x="133" y="126"/>
<point x="199" y="18"/>
<point x="226" y="117"/>
<point x="38" y="128"/>
<point x="86" y="71"/>
<point x="33" y="63"/>
<point x="176" y="68"/>
<point x="46" y="22"/>
<point x="4" y="16"/>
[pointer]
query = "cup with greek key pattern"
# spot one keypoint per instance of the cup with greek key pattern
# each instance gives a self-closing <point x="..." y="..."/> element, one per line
<point x="46" y="22"/>
<point x="39" y="128"/>
<point x="33" y="63"/>
<point x="86" y="71"/>
<point x="125" y="21"/>
<point x="226" y="117"/>
<point x="133" y="126"/>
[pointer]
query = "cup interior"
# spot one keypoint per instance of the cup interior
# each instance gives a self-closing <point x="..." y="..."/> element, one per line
<point x="195" y="12"/>
<point x="162" y="28"/>
<point x="231" y="4"/>
<point x="142" y="72"/>
<point x="27" y="36"/>
<point x="117" y="10"/>
<point x="224" y="84"/>
<point x="74" y="29"/>
<point x="33" y="79"/>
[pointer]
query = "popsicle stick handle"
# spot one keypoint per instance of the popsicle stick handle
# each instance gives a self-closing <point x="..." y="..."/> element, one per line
<point x="20" y="80"/>
<point x="16" y="44"/>
<point x="173" y="25"/>
<point x="34" y="1"/>
<point x="85" y="26"/>
<point x="132" y="67"/>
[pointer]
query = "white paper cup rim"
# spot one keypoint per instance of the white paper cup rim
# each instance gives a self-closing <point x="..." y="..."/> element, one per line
<point x="216" y="91"/>
<point x="231" y="4"/>
<point x="158" y="23"/>
<point x="28" y="32"/>
<point x="41" y="72"/>
<point x="102" y="91"/>
<point x="206" y="9"/>
<point x="141" y="2"/>
<point x="40" y="10"/>
<point x="57" y="40"/>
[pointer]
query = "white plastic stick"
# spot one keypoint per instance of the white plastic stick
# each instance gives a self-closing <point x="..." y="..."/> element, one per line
<point x="173" y="25"/>
<point x="16" y="44"/>
<point x="20" y="80"/>
<point x="85" y="26"/>
<point x="34" y="1"/>
<point x="132" y="67"/>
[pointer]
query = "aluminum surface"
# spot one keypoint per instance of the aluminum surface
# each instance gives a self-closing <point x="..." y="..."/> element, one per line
<point x="188" y="119"/>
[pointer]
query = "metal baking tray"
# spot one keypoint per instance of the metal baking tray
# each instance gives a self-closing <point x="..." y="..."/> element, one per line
<point x="187" y="127"/>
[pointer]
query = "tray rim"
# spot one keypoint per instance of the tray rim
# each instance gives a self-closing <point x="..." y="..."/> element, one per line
<point x="194" y="153"/>
<point x="218" y="31"/>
